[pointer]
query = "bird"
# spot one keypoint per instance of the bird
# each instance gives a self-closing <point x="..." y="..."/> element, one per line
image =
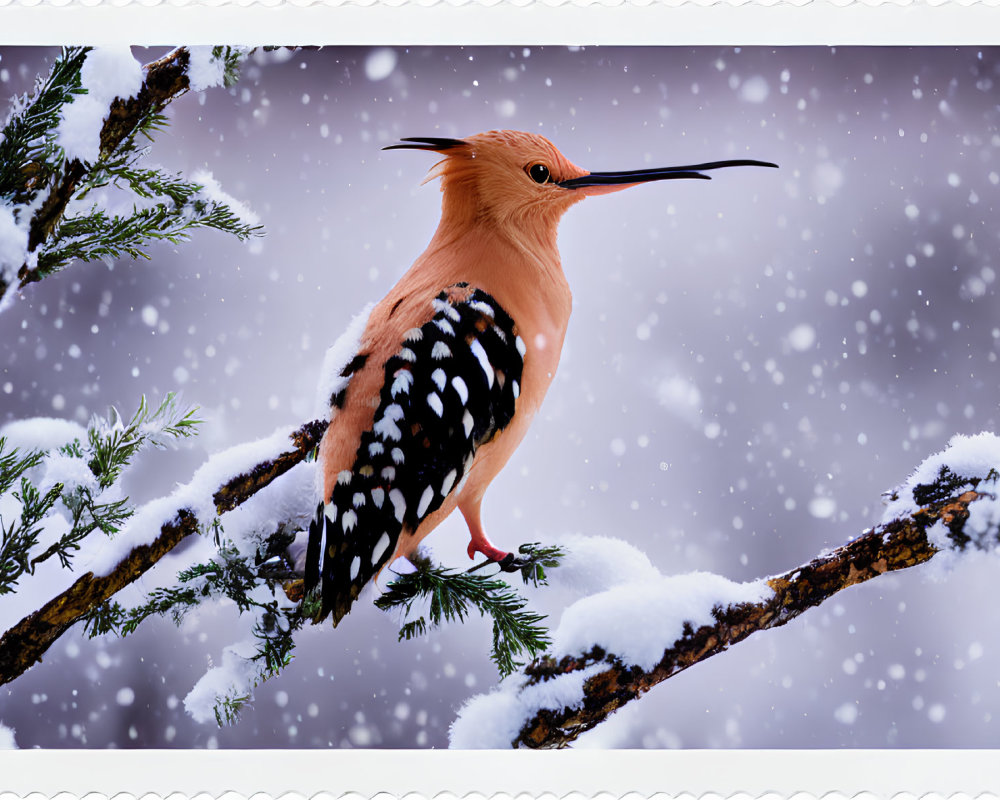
<point x="454" y="362"/>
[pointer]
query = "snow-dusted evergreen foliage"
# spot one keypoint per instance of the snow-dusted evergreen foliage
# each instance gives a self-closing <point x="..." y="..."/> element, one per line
<point x="626" y="607"/>
<point x="73" y="185"/>
<point x="51" y="501"/>
<point x="450" y="595"/>
<point x="66" y="504"/>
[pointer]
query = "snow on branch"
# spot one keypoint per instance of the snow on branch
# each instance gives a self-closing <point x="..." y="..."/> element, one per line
<point x="612" y="647"/>
<point x="79" y="132"/>
<point x="226" y="481"/>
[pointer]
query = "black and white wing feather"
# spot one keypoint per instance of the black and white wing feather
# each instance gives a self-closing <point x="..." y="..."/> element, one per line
<point x="450" y="388"/>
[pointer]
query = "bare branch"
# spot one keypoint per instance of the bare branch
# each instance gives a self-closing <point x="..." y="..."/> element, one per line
<point x="26" y="642"/>
<point x="896" y="545"/>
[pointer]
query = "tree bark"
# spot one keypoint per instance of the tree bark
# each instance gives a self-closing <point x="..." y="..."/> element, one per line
<point x="26" y="642"/>
<point x="897" y="545"/>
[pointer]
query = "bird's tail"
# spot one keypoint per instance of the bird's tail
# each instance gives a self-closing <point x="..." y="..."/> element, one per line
<point x="333" y="567"/>
<point x="313" y="549"/>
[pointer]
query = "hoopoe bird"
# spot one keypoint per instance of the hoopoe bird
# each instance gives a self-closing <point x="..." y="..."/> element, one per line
<point x="453" y="363"/>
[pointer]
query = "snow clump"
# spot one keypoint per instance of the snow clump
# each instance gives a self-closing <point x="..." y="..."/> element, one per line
<point x="639" y="620"/>
<point x="13" y="253"/>
<point x="204" y="70"/>
<point x="337" y="357"/>
<point x="212" y="192"/>
<point x="13" y="241"/>
<point x="7" y="738"/>
<point x="965" y="456"/>
<point x="236" y="678"/>
<point x="595" y="563"/>
<point x="108" y="72"/>
<point x="493" y="721"/>
<point x="42" y="433"/>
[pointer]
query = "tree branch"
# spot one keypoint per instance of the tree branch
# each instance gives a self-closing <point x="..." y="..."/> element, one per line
<point x="26" y="642"/>
<point x="896" y="545"/>
<point x="45" y="182"/>
<point x="166" y="78"/>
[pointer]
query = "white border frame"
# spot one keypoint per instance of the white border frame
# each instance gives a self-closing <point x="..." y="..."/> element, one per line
<point x="454" y="22"/>
<point x="397" y="773"/>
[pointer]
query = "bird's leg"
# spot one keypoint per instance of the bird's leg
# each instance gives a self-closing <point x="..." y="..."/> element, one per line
<point x="480" y="543"/>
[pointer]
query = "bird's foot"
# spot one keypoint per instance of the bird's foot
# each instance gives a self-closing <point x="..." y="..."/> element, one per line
<point x="507" y="562"/>
<point x="480" y="544"/>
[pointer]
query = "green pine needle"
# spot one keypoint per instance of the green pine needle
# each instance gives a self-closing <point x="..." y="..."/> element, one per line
<point x="114" y="442"/>
<point x="228" y="708"/>
<point x="19" y="537"/>
<point x="232" y="62"/>
<point x="454" y="594"/>
<point x="110" y="446"/>
<point x="534" y="559"/>
<point x="29" y="154"/>
<point x="13" y="465"/>
<point x="231" y="576"/>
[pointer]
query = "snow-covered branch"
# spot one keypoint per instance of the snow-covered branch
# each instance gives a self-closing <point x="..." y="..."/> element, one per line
<point x="79" y="132"/>
<point x="226" y="481"/>
<point x="611" y="647"/>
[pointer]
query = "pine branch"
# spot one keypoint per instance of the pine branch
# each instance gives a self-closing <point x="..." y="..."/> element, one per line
<point x="37" y="179"/>
<point x="228" y="708"/>
<point x="110" y="447"/>
<point x="452" y="593"/>
<point x="19" y="538"/>
<point x="113" y="443"/>
<point x="229" y="576"/>
<point x="100" y="236"/>
<point x="27" y="145"/>
<point x="165" y="79"/>
<point x="13" y="465"/>
<point x="939" y="526"/>
<point x="235" y="577"/>
<point x="27" y="641"/>
<point x="88" y="516"/>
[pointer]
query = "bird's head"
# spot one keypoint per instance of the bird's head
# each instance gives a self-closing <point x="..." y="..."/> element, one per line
<point x="522" y="180"/>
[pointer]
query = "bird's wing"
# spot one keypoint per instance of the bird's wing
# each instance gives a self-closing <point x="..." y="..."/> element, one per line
<point x="451" y="387"/>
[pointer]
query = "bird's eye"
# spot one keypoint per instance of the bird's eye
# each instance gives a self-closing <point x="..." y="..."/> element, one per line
<point x="539" y="173"/>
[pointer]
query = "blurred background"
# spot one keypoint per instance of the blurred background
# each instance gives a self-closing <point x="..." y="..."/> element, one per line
<point x="751" y="362"/>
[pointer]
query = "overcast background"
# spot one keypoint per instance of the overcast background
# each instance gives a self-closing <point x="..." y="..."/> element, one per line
<point x="750" y="363"/>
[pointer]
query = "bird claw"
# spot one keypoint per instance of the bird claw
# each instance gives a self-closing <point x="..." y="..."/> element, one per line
<point x="509" y="563"/>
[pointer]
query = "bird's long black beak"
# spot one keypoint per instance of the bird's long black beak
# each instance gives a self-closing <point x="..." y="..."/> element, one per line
<point x="432" y="143"/>
<point x="657" y="174"/>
